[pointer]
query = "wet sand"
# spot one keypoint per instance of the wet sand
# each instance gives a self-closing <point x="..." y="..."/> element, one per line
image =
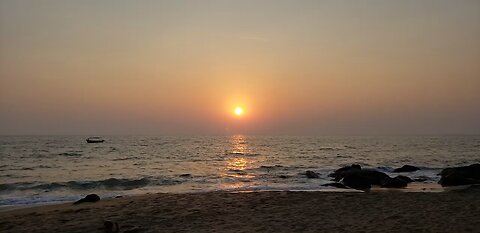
<point x="453" y="211"/>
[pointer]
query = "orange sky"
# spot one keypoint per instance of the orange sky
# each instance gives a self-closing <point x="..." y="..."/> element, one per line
<point x="297" y="67"/>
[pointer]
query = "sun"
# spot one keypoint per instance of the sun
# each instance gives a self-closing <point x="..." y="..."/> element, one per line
<point x="238" y="111"/>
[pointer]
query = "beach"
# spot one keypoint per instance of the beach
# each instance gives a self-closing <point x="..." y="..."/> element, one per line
<point x="375" y="211"/>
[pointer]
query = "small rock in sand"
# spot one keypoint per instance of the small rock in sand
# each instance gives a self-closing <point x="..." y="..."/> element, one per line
<point x="111" y="227"/>
<point x="88" y="198"/>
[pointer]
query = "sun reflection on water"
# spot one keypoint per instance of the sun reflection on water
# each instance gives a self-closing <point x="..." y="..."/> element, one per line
<point x="237" y="163"/>
<point x="238" y="144"/>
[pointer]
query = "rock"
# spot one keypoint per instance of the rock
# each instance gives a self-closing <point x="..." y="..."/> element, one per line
<point x="340" y="173"/>
<point x="111" y="227"/>
<point x="405" y="178"/>
<point x="407" y="168"/>
<point x="456" y="180"/>
<point x="336" y="185"/>
<point x="373" y="176"/>
<point x="311" y="174"/>
<point x="466" y="175"/>
<point x="363" y="179"/>
<point x="88" y="198"/>
<point x="394" y="182"/>
<point x="470" y="170"/>
<point x="355" y="181"/>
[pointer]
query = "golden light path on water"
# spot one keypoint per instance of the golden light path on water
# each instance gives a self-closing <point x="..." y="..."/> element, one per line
<point x="238" y="161"/>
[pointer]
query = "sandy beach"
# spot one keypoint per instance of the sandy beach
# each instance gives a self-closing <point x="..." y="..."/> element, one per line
<point x="453" y="211"/>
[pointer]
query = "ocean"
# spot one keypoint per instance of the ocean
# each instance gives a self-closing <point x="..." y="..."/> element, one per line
<point x="52" y="169"/>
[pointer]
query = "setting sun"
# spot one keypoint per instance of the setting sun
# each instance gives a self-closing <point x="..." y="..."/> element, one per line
<point x="238" y="111"/>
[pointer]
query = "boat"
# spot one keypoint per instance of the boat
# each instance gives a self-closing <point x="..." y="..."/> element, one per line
<point x="95" y="140"/>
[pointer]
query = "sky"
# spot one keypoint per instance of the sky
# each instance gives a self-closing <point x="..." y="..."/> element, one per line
<point x="295" y="67"/>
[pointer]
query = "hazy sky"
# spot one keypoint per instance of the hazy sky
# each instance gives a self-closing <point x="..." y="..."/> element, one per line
<point x="296" y="67"/>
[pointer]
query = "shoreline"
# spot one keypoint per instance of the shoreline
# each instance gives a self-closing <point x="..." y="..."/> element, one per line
<point x="272" y="211"/>
<point x="412" y="187"/>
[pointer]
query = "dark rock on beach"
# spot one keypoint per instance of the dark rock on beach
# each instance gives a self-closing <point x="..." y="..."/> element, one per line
<point x="465" y="175"/>
<point x="457" y="179"/>
<point x="311" y="174"/>
<point x="111" y="227"/>
<point x="355" y="177"/>
<point x="407" y="168"/>
<point x="340" y="173"/>
<point x="88" y="198"/>
<point x="360" y="179"/>
<point x="356" y="181"/>
<point x="393" y="182"/>
<point x="373" y="177"/>
<point x="405" y="178"/>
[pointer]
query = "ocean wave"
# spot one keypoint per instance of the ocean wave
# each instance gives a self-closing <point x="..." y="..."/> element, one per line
<point x="241" y="153"/>
<point x="237" y="171"/>
<point x="127" y="158"/>
<point x="330" y="148"/>
<point x="37" y="200"/>
<point x="4" y="187"/>
<point x="26" y="169"/>
<point x="71" y="153"/>
<point x="109" y="184"/>
<point x="266" y="168"/>
<point x="269" y="167"/>
<point x="16" y="168"/>
<point x="46" y="166"/>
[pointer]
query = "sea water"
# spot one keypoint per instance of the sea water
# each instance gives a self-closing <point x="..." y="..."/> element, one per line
<point x="49" y="169"/>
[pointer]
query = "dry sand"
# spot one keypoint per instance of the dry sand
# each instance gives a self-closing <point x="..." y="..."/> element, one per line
<point x="454" y="211"/>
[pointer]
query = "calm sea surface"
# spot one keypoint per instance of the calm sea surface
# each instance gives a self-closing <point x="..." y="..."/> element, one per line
<point x="47" y="169"/>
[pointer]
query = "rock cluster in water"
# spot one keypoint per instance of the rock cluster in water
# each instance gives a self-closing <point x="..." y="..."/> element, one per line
<point x="354" y="176"/>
